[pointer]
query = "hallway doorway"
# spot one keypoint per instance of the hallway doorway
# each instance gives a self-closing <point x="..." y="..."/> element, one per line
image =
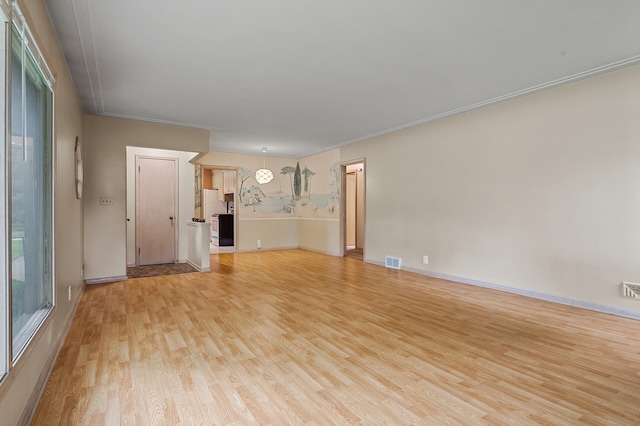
<point x="353" y="199"/>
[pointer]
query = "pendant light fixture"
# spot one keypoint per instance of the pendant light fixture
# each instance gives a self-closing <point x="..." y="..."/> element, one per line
<point x="264" y="175"/>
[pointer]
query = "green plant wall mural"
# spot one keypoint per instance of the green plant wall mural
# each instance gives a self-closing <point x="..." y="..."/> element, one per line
<point x="307" y="188"/>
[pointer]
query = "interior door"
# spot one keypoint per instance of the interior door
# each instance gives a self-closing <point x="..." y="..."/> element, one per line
<point x="351" y="210"/>
<point x="156" y="210"/>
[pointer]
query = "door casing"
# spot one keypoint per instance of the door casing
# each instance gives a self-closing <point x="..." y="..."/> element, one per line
<point x="343" y="204"/>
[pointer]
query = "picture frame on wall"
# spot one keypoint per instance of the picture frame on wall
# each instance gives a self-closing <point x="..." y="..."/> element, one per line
<point x="79" y="173"/>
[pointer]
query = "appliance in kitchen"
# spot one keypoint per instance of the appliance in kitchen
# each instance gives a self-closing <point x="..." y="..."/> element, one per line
<point x="222" y="230"/>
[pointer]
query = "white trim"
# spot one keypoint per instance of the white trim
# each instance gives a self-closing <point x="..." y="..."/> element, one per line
<point x="105" y="280"/>
<point x="27" y="333"/>
<point x="5" y="11"/>
<point x="84" y="54"/>
<point x="159" y="121"/>
<point x="328" y="253"/>
<point x="597" y="307"/>
<point x="343" y="203"/>
<point x="5" y="206"/>
<point x="634" y="60"/>
<point x="287" y="218"/>
<point x="269" y="249"/>
<point x="20" y="22"/>
<point x="196" y="267"/>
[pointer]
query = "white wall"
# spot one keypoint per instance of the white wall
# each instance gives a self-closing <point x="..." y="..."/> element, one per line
<point x="185" y="197"/>
<point x="539" y="193"/>
<point x="21" y="384"/>
<point x="106" y="140"/>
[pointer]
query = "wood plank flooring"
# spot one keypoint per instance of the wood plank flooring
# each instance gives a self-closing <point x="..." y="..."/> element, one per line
<point x="295" y="337"/>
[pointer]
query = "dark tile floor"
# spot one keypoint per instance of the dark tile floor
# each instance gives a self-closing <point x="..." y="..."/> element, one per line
<point x="156" y="270"/>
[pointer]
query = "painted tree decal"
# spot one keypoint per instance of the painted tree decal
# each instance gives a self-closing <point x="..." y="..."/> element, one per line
<point x="334" y="184"/>
<point x="254" y="196"/>
<point x="297" y="181"/>
<point x="289" y="170"/>
<point x="307" y="180"/>
<point x="243" y="175"/>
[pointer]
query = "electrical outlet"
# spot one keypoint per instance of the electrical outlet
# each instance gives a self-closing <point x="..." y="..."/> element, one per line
<point x="259" y="244"/>
<point x="69" y="290"/>
<point x="106" y="201"/>
<point x="425" y="260"/>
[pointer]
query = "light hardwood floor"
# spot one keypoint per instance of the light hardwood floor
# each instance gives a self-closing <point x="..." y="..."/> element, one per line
<point x="295" y="337"/>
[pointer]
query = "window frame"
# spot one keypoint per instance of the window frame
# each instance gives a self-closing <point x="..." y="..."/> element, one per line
<point x="5" y="112"/>
<point x="11" y="16"/>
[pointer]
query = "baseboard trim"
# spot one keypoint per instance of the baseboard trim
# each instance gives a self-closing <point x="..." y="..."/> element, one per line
<point x="197" y="268"/>
<point x="105" y="280"/>
<point x="328" y="253"/>
<point x="268" y="249"/>
<point x="605" y="309"/>
<point x="38" y="390"/>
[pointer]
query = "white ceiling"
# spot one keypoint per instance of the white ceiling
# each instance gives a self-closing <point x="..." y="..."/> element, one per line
<point x="304" y="76"/>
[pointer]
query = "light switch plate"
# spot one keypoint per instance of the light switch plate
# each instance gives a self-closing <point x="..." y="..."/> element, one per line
<point x="106" y="201"/>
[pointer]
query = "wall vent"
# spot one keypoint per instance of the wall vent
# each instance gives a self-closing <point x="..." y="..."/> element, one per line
<point x="392" y="262"/>
<point x="631" y="290"/>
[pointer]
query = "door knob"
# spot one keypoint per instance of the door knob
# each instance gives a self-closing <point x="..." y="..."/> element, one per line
<point x="170" y="217"/>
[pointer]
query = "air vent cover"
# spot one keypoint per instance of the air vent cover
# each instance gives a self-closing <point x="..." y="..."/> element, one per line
<point x="392" y="262"/>
<point x="631" y="290"/>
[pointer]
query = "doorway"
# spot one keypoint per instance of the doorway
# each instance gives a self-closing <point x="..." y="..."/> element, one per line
<point x="156" y="210"/>
<point x="353" y="200"/>
<point x="219" y="194"/>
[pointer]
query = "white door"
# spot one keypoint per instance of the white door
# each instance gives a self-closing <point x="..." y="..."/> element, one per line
<point x="351" y="209"/>
<point x="156" y="210"/>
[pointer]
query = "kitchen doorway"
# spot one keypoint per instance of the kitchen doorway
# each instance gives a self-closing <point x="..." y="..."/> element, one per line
<point x="219" y="192"/>
<point x="156" y="210"/>
<point x="353" y="201"/>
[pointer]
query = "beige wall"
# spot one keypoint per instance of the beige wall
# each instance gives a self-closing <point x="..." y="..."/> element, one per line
<point x="274" y="231"/>
<point x="185" y="197"/>
<point x="321" y="233"/>
<point x="105" y="176"/>
<point x="538" y="193"/>
<point x="22" y="380"/>
<point x="314" y="229"/>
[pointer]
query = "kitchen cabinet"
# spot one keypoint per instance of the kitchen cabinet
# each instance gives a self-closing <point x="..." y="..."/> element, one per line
<point x="207" y="179"/>
<point x="217" y="179"/>
<point x="229" y="184"/>
<point x="225" y="182"/>
<point x="218" y="183"/>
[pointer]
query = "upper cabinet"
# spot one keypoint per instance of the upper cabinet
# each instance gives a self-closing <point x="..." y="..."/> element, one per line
<point x="225" y="182"/>
<point x="207" y="179"/>
<point x="218" y="180"/>
<point x="229" y="181"/>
